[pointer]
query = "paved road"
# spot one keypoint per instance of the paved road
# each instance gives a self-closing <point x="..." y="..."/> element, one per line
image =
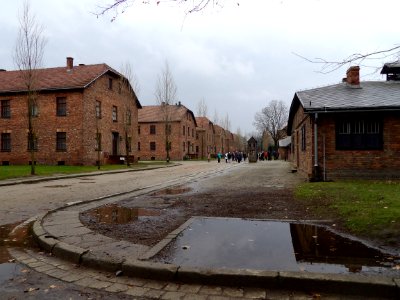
<point x="22" y="201"/>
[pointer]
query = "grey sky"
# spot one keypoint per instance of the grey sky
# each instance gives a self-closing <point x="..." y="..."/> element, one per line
<point x="237" y="58"/>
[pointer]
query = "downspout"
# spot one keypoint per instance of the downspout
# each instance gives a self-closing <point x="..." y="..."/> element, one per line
<point x="315" y="145"/>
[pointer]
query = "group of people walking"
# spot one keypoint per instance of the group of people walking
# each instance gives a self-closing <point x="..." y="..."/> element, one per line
<point x="268" y="155"/>
<point x="237" y="156"/>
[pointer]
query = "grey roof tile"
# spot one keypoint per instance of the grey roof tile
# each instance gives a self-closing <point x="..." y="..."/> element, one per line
<point x="370" y="95"/>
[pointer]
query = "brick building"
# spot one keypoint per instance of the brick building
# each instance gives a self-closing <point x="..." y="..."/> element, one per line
<point x="152" y="132"/>
<point x="219" y="139"/>
<point x="81" y="114"/>
<point x="206" y="134"/>
<point x="350" y="129"/>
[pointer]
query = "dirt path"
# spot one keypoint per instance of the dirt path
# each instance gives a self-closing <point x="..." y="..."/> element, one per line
<point x="263" y="190"/>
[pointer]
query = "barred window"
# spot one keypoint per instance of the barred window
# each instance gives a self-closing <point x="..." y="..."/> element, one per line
<point x="5" y="109"/>
<point x="115" y="114"/>
<point x="98" y="109"/>
<point x="303" y="138"/>
<point x="6" y="142"/>
<point x="128" y="117"/>
<point x="152" y="129"/>
<point x="359" y="134"/>
<point x="61" y="106"/>
<point x="61" y="141"/>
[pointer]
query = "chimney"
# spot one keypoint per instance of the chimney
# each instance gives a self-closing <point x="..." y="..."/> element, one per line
<point x="353" y="76"/>
<point x="70" y="63"/>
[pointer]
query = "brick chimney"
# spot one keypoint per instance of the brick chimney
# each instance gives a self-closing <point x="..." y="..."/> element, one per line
<point x="353" y="76"/>
<point x="70" y="63"/>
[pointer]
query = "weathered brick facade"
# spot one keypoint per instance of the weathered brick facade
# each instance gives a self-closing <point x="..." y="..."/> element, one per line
<point x="205" y="142"/>
<point x="79" y="124"/>
<point x="361" y="142"/>
<point x="182" y="135"/>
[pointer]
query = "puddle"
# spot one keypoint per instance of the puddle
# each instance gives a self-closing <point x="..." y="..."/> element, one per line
<point x="270" y="245"/>
<point x="115" y="214"/>
<point x="172" y="191"/>
<point x="12" y="235"/>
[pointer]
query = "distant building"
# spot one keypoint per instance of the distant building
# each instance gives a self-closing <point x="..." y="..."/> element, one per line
<point x="206" y="135"/>
<point x="82" y="114"/>
<point x="152" y="132"/>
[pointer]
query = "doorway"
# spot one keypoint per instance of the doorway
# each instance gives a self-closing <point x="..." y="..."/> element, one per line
<point x="115" y="142"/>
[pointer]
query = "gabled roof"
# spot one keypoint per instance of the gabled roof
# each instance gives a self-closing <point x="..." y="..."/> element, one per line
<point x="369" y="96"/>
<point x="203" y="122"/>
<point x="60" y="78"/>
<point x="155" y="113"/>
<point x="218" y="129"/>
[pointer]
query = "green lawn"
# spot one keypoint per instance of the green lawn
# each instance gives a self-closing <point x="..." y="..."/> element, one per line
<point x="368" y="208"/>
<point x="8" y="172"/>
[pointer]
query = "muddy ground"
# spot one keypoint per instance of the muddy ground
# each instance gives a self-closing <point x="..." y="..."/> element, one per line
<point x="262" y="191"/>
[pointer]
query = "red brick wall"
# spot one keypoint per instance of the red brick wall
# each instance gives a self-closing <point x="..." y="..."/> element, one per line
<point x="334" y="164"/>
<point x="79" y="124"/>
<point x="123" y="101"/>
<point x="302" y="158"/>
<point x="177" y="138"/>
<point x="383" y="163"/>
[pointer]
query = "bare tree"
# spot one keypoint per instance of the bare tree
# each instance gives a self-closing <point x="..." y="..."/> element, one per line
<point x="226" y="122"/>
<point x="202" y="108"/>
<point x="216" y="117"/>
<point x="28" y="57"/>
<point x="120" y="6"/>
<point x="271" y="119"/>
<point x="166" y="94"/>
<point x="129" y="94"/>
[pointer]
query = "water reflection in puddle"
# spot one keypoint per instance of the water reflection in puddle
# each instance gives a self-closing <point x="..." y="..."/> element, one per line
<point x="115" y="214"/>
<point x="269" y="245"/>
<point x="18" y="238"/>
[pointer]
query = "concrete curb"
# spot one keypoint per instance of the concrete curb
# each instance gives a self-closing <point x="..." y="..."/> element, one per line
<point x="350" y="284"/>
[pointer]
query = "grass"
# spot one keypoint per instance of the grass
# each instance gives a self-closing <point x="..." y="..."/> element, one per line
<point x="368" y="208"/>
<point x="16" y="171"/>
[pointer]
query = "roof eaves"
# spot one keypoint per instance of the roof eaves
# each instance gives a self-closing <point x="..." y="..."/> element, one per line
<point x="350" y="109"/>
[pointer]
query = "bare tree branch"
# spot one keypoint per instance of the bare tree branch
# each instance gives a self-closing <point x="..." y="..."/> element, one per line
<point x="328" y="66"/>
<point x="166" y="94"/>
<point x="202" y="108"/>
<point x="120" y="6"/>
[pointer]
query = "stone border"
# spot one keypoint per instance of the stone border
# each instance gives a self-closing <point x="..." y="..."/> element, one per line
<point x="351" y="284"/>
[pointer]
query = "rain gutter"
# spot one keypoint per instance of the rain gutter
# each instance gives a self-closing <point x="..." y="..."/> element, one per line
<point x="315" y="141"/>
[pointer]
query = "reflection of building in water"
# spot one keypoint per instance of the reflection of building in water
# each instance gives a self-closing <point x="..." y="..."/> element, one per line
<point x="114" y="214"/>
<point x="319" y="245"/>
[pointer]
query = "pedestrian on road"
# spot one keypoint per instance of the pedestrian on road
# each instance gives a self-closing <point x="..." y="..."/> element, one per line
<point x="208" y="157"/>
<point x="219" y="157"/>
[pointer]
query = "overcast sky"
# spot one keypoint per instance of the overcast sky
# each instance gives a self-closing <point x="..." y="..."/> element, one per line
<point x="237" y="57"/>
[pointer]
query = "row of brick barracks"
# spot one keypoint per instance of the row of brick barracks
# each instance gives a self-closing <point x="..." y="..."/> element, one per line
<point x="87" y="114"/>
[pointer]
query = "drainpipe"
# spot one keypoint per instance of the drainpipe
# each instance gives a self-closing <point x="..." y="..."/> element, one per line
<point x="315" y="143"/>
